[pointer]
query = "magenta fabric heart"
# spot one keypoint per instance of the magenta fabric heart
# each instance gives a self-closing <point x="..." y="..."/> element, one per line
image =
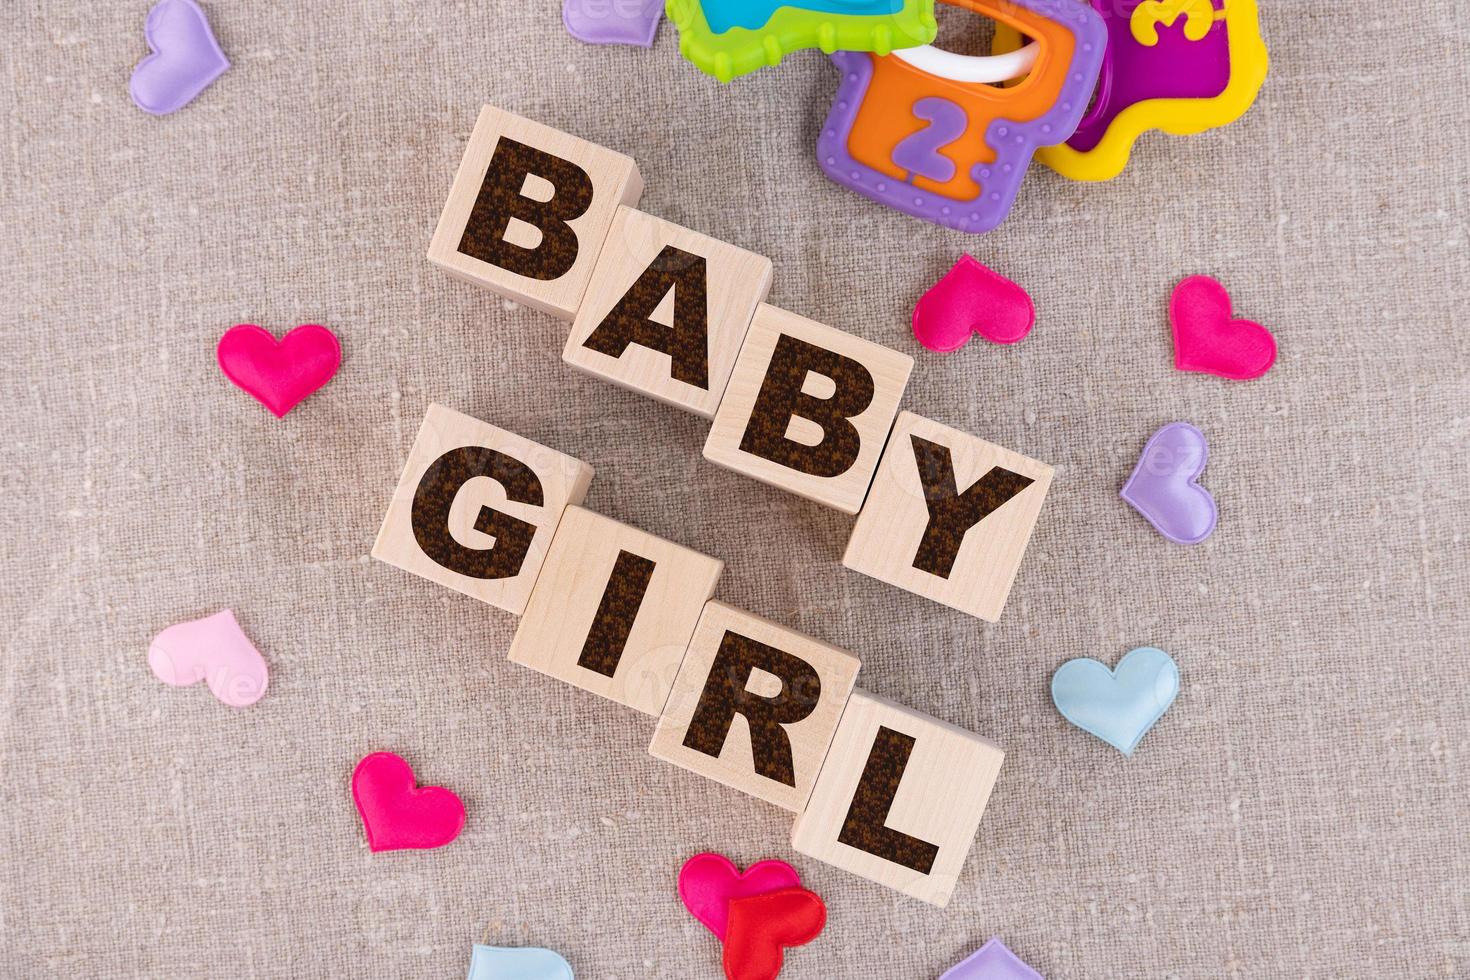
<point x="972" y="299"/>
<point x="709" y="882"/>
<point x="397" y="813"/>
<point x="1206" y="339"/>
<point x="279" y="373"/>
<point x="1165" y="488"/>
<point x="186" y="58"/>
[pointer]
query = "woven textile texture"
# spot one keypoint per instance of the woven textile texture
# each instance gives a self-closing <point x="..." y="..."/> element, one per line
<point x="1300" y="812"/>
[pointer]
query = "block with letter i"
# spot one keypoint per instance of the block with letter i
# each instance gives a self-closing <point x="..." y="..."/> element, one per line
<point x="900" y="798"/>
<point x="948" y="517"/>
<point x="807" y="408"/>
<point x="476" y="508"/>
<point x="667" y="311"/>
<point x="529" y="210"/>
<point x="754" y="706"/>
<point x="613" y="610"/>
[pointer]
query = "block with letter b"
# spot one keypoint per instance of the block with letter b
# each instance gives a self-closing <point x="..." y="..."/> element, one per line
<point x="755" y="706"/>
<point x="900" y="798"/>
<point x="476" y="508"/>
<point x="948" y="517"/>
<point x="613" y="610"/>
<point x="808" y="408"/>
<point x="667" y="311"/>
<point x="529" y="210"/>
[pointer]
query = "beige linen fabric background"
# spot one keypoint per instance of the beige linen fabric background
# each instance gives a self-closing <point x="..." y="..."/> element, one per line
<point x="1302" y="810"/>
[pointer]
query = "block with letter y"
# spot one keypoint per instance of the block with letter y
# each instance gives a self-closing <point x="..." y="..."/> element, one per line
<point x="948" y="517"/>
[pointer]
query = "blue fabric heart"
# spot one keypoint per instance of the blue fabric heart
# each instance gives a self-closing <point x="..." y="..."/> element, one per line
<point x="1119" y="706"/>
<point x="530" y="963"/>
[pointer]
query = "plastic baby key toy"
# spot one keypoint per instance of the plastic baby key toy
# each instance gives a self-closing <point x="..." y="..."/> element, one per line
<point x="1180" y="66"/>
<point x="928" y="132"/>
<point x="727" y="38"/>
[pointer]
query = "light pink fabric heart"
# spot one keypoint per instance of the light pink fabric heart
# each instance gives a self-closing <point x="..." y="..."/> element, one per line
<point x="1207" y="339"/>
<point x="399" y="814"/>
<point x="709" y="882"/>
<point x="279" y="374"/>
<point x="214" y="650"/>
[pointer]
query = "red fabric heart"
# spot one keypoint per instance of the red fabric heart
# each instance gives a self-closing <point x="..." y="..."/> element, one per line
<point x="1206" y="339"/>
<point x="761" y="926"/>
<point x="279" y="374"/>
<point x="397" y="813"/>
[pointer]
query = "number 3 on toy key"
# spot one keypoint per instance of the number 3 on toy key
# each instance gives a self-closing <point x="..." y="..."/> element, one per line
<point x="918" y="153"/>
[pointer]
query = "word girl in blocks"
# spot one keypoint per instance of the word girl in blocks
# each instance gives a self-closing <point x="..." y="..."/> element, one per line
<point x="808" y="408"/>
<point x="755" y="706"/>
<point x="667" y="311"/>
<point x="529" y="210"/>
<point x="948" y="517"/>
<point x="899" y="799"/>
<point x="476" y="508"/>
<point x="613" y="610"/>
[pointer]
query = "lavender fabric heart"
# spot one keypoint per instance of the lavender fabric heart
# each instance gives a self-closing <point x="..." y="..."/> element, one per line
<point x="1164" y="486"/>
<point x="993" y="961"/>
<point x="632" y="22"/>
<point x="186" y="58"/>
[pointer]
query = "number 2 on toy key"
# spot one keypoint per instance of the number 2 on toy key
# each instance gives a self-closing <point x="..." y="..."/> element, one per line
<point x="918" y="153"/>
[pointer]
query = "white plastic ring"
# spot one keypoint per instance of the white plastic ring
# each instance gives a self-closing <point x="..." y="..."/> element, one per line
<point x="973" y="69"/>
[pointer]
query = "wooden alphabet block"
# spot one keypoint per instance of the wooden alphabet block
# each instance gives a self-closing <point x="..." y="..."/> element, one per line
<point x="754" y="706"/>
<point x="948" y="517"/>
<point x="899" y="799"/>
<point x="808" y="408"/>
<point x="613" y="610"/>
<point x="529" y="210"/>
<point x="477" y="506"/>
<point x="667" y="311"/>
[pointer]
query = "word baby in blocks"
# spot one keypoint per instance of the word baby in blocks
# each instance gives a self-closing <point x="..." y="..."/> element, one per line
<point x="900" y="798"/>
<point x="529" y="210"/>
<point x="476" y="508"/>
<point x="948" y="517"/>
<point x="755" y="706"/>
<point x="613" y="610"/>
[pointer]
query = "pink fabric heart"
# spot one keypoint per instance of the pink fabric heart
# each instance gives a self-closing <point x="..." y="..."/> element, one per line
<point x="1206" y="339"/>
<point x="214" y="650"/>
<point x="279" y="374"/>
<point x="972" y="299"/>
<point x="709" y="882"/>
<point x="396" y="812"/>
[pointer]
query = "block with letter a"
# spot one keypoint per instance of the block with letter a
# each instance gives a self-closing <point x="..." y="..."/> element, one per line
<point x="476" y="508"/>
<point x="529" y="210"/>
<point x="667" y="311"/>
<point x="948" y="517"/>
<point x="899" y="799"/>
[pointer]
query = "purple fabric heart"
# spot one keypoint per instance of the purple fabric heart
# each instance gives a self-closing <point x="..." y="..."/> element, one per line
<point x="613" y="21"/>
<point x="1163" y="486"/>
<point x="185" y="58"/>
<point x="993" y="961"/>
